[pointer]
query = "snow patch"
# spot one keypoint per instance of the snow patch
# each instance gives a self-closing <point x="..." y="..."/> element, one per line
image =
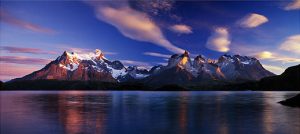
<point x="141" y="76"/>
<point x="88" y="56"/>
<point x="116" y="73"/>
<point x="245" y="62"/>
<point x="70" y="67"/>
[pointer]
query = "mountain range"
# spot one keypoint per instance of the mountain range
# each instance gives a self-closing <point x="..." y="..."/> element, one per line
<point x="180" y="70"/>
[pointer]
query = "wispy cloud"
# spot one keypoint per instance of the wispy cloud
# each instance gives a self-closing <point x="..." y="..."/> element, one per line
<point x="25" y="50"/>
<point x="293" y="5"/>
<point x="181" y="28"/>
<point x="291" y="44"/>
<point x="252" y="20"/>
<point x="157" y="54"/>
<point x="219" y="40"/>
<point x="133" y="24"/>
<point x="23" y="60"/>
<point x="272" y="56"/>
<point x="9" y="70"/>
<point x="274" y="69"/>
<point x="135" y="63"/>
<point x="286" y="59"/>
<point x="12" y="20"/>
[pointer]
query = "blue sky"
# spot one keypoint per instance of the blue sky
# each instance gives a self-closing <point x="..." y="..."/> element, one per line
<point x="146" y="33"/>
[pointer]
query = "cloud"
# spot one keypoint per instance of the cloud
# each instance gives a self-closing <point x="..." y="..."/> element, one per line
<point x="135" y="63"/>
<point x="271" y="56"/>
<point x="219" y="40"/>
<point x="285" y="59"/>
<point x="133" y="24"/>
<point x="275" y="69"/>
<point x="264" y="55"/>
<point x="10" y="19"/>
<point x="25" y="50"/>
<point x="182" y="29"/>
<point x="293" y="5"/>
<point x="9" y="70"/>
<point x="157" y="54"/>
<point x="23" y="60"/>
<point x="291" y="44"/>
<point x="252" y="20"/>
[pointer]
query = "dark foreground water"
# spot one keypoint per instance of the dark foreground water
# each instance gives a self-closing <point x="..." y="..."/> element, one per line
<point x="140" y="112"/>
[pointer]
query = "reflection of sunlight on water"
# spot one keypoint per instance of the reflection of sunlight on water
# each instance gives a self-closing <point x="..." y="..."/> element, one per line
<point x="69" y="114"/>
<point x="183" y="112"/>
<point x="267" y="114"/>
<point x="276" y="116"/>
<point x="72" y="92"/>
<point x="72" y="114"/>
<point x="222" y="127"/>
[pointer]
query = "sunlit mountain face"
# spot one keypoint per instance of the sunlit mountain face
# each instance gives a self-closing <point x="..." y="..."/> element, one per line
<point x="135" y="36"/>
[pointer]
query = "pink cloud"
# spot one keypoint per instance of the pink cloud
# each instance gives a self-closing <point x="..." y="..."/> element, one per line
<point x="9" y="70"/>
<point x="252" y="20"/>
<point x="181" y="28"/>
<point x="25" y="50"/>
<point x="12" y="20"/>
<point x="295" y="5"/>
<point x="23" y="60"/>
<point x="219" y="40"/>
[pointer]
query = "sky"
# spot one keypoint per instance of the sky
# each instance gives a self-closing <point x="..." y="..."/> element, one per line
<point x="146" y="33"/>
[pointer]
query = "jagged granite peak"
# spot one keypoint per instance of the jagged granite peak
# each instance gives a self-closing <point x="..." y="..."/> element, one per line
<point x="186" y="53"/>
<point x="231" y="68"/>
<point x="183" y="61"/>
<point x="242" y="67"/>
<point x="156" y="69"/>
<point x="83" y="66"/>
<point x="199" y="61"/>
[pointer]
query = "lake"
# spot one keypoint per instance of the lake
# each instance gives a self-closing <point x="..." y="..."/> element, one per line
<point x="143" y="112"/>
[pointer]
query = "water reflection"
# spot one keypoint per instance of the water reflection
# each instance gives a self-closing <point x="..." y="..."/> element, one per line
<point x="182" y="112"/>
<point x="74" y="112"/>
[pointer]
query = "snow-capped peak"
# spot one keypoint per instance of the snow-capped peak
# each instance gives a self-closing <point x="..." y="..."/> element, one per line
<point x="98" y="52"/>
<point x="97" y="55"/>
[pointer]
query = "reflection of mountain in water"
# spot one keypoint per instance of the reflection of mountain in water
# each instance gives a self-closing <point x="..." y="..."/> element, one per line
<point x="152" y="112"/>
<point x="77" y="112"/>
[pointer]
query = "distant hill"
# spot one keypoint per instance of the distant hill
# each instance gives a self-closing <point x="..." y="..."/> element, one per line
<point x="288" y="80"/>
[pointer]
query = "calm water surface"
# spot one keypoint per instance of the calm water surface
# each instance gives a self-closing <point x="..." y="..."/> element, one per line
<point x="140" y="112"/>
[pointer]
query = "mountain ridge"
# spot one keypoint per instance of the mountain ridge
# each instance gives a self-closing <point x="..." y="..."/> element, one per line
<point x="287" y="81"/>
<point x="181" y="70"/>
